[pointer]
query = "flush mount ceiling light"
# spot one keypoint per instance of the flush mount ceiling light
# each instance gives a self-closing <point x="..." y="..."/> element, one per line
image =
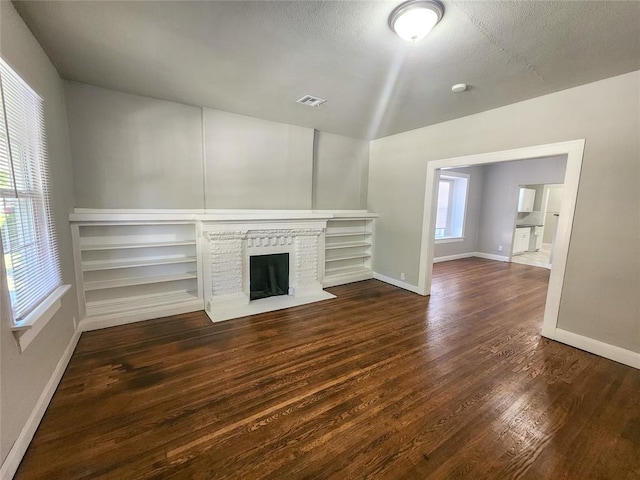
<point x="414" y="19"/>
<point x="459" y="88"/>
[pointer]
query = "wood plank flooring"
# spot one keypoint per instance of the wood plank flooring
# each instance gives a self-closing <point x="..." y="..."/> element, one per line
<point x="377" y="383"/>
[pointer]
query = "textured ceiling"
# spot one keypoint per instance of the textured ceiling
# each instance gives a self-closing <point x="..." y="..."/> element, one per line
<point x="258" y="58"/>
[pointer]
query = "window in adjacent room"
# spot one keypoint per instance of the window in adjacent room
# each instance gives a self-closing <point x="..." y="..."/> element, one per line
<point x="27" y="230"/>
<point x="452" y="203"/>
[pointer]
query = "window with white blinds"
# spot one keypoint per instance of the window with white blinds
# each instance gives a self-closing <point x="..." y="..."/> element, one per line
<point x="28" y="234"/>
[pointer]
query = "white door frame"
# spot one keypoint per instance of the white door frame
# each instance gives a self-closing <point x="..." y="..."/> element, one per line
<point x="574" y="150"/>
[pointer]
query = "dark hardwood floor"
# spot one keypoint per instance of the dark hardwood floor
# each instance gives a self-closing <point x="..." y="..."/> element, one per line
<point x="377" y="383"/>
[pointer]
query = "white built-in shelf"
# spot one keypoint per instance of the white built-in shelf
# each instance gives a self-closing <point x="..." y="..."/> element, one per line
<point x="136" y="303"/>
<point x="128" y="300"/>
<point x="125" y="246"/>
<point x="132" y="281"/>
<point x="348" y="248"/>
<point x="135" y="270"/>
<point x="348" y="257"/>
<point x="134" y="266"/>
<point x="96" y="265"/>
<point x="334" y="246"/>
<point x="343" y="270"/>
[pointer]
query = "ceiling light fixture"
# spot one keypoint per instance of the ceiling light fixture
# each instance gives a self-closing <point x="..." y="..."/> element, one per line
<point x="414" y="19"/>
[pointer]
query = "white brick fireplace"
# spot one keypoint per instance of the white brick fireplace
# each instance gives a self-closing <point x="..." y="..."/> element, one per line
<point x="226" y="257"/>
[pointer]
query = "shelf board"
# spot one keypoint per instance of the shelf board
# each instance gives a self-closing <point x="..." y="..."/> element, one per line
<point x="347" y="234"/>
<point x="122" y="246"/>
<point x="334" y="246"/>
<point x="95" y="265"/>
<point x="330" y="272"/>
<point x="347" y="257"/>
<point x="136" y="303"/>
<point x="130" y="282"/>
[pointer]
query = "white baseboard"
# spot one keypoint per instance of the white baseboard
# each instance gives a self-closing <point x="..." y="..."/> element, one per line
<point x="617" y="354"/>
<point x="396" y="283"/>
<point x="458" y="256"/>
<point x="114" y="319"/>
<point x="334" y="280"/>
<point x="19" y="448"/>
<point x="491" y="256"/>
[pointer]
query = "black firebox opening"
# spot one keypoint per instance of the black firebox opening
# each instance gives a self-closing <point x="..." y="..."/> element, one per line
<point x="269" y="275"/>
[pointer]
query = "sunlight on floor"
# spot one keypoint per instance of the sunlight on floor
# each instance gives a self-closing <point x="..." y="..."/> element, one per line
<point x="535" y="259"/>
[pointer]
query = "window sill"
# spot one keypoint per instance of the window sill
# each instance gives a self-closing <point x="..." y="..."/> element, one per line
<point x="27" y="329"/>
<point x="449" y="240"/>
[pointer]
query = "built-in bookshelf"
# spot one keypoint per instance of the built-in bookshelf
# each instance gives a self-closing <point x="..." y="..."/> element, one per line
<point x="348" y="249"/>
<point x="136" y="270"/>
<point x="140" y="265"/>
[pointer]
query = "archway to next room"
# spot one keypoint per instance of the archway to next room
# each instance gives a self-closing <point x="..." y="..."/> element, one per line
<point x="449" y="170"/>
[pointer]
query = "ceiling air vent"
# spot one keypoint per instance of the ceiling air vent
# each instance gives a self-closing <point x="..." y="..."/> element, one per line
<point x="311" y="101"/>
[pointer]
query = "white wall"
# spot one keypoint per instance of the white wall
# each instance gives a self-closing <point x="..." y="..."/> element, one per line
<point x="472" y="220"/>
<point x="131" y="151"/>
<point x="253" y="163"/>
<point x="341" y="167"/>
<point x="500" y="200"/>
<point x="23" y="376"/>
<point x="600" y="295"/>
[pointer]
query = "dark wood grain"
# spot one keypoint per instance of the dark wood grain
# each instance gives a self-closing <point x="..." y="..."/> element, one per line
<point x="377" y="383"/>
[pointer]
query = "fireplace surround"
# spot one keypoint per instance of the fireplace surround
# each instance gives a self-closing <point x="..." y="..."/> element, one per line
<point x="227" y="256"/>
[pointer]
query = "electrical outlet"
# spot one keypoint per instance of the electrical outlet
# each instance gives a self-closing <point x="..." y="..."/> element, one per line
<point x="75" y="323"/>
<point x="499" y="248"/>
<point x="402" y="276"/>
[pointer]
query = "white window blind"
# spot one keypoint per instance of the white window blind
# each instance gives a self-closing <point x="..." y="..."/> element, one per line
<point x="28" y="234"/>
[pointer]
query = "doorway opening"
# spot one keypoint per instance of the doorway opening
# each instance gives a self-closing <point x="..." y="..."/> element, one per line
<point x="572" y="151"/>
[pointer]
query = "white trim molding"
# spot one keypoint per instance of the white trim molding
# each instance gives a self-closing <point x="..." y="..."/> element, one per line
<point x="396" y="283"/>
<point x="574" y="151"/>
<point x="458" y="256"/>
<point x="491" y="256"/>
<point x="449" y="240"/>
<point x="617" y="354"/>
<point x="26" y="330"/>
<point x="19" y="448"/>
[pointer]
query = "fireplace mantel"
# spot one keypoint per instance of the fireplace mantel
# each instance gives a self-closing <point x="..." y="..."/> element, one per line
<point x="218" y="216"/>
